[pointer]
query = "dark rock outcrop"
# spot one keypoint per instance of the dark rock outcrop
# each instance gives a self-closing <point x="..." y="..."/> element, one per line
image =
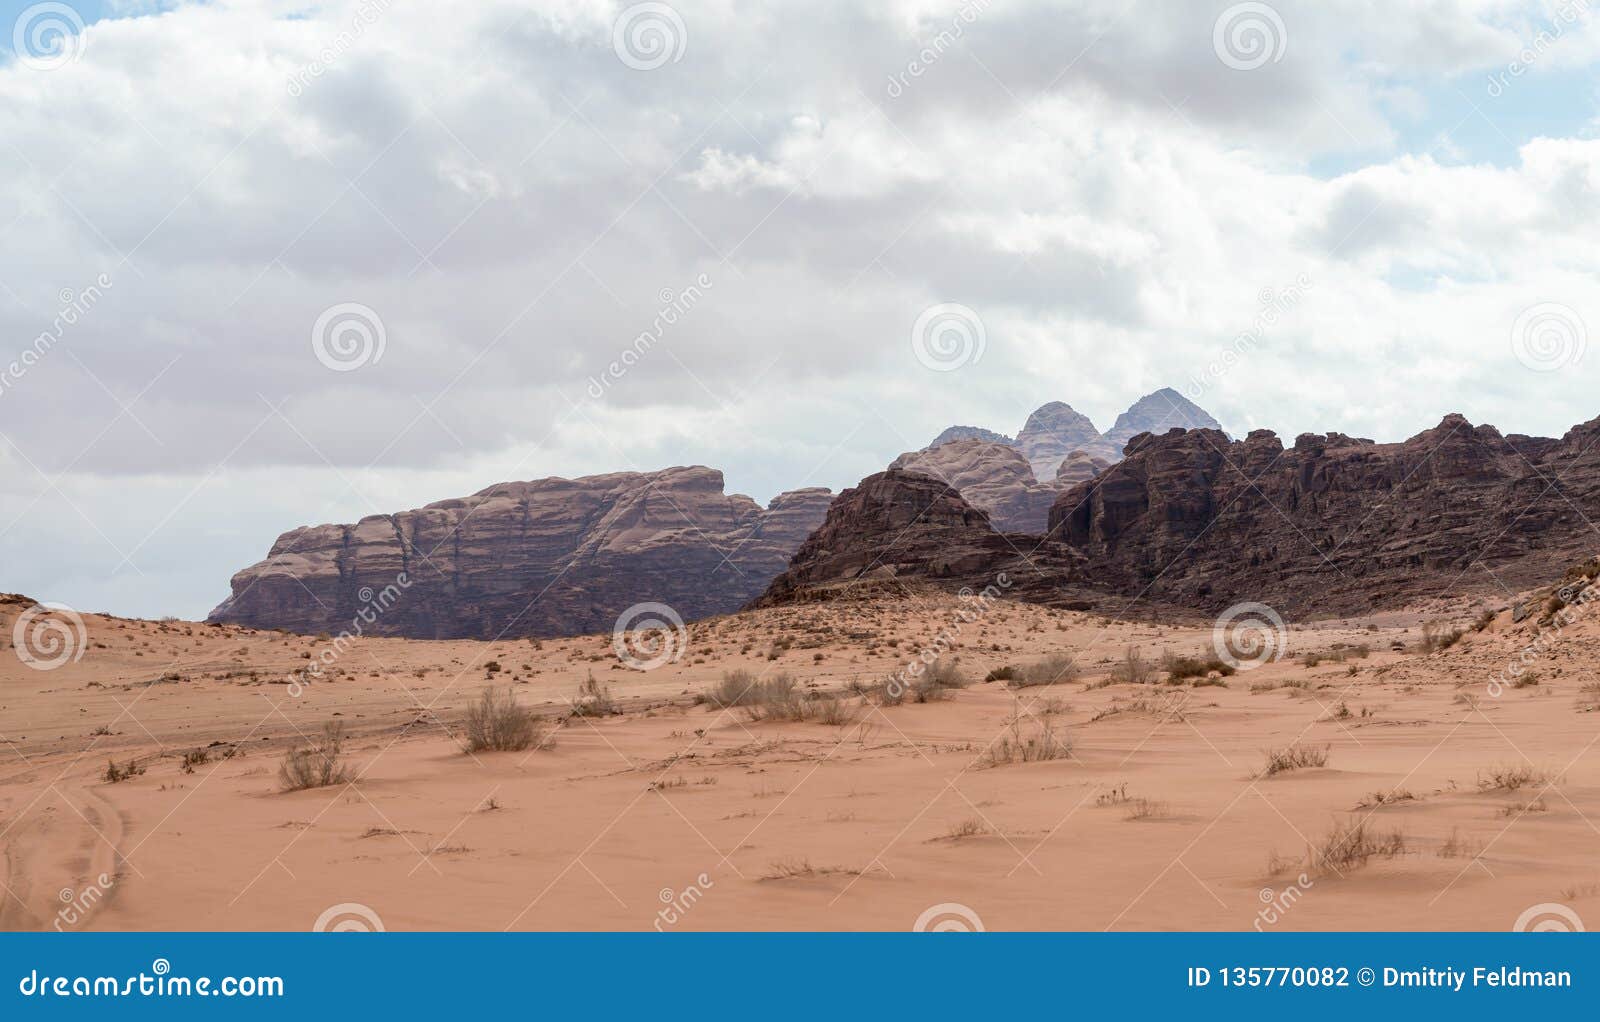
<point x="542" y="558"/>
<point x="1335" y="523"/>
<point x="898" y="529"/>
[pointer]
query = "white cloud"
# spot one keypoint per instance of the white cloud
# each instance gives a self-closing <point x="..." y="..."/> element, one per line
<point x="513" y="200"/>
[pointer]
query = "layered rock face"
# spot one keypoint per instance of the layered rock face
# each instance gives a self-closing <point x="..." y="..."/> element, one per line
<point x="1335" y="523"/>
<point x="992" y="477"/>
<point x="542" y="558"/>
<point x="899" y="527"/>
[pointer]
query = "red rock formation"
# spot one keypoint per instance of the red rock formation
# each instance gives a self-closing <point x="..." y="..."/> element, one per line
<point x="899" y="528"/>
<point x="1335" y="523"/>
<point x="543" y="558"/>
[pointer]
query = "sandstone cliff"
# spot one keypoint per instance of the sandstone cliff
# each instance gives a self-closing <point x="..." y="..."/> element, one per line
<point x="1335" y="523"/>
<point x="898" y="529"/>
<point x="542" y="558"/>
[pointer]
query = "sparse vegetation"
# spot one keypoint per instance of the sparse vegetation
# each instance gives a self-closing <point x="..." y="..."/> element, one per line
<point x="1349" y="846"/>
<point x="1054" y="669"/>
<point x="1132" y="669"/>
<point x="317" y="764"/>
<point x="1513" y="777"/>
<point x="1294" y="757"/>
<point x="1032" y="744"/>
<point x="1181" y="668"/>
<point x="594" y="700"/>
<point x="1147" y="809"/>
<point x="116" y="774"/>
<point x="496" y="723"/>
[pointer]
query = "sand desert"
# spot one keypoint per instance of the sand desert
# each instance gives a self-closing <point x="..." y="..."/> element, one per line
<point x="657" y="809"/>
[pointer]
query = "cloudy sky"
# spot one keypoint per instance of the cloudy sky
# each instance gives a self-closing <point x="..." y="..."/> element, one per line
<point x="270" y="264"/>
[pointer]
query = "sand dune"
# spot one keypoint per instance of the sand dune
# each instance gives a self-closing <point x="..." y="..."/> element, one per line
<point x="674" y="815"/>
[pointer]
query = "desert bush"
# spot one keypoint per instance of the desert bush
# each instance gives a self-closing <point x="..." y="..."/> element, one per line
<point x="1053" y="669"/>
<point x="1350" y="845"/>
<point x="594" y="700"/>
<point x="1147" y="809"/>
<point x="1527" y="679"/>
<point x="116" y="774"/>
<point x="1483" y="620"/>
<point x="1033" y="744"/>
<point x="495" y="723"/>
<point x="1132" y="669"/>
<point x="1181" y="668"/>
<point x="936" y="683"/>
<point x="1294" y="757"/>
<point x="737" y="688"/>
<point x="1006" y="673"/>
<point x="1511" y="777"/>
<point x="316" y="764"/>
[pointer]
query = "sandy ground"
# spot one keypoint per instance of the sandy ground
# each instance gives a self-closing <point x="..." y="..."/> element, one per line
<point x="680" y="816"/>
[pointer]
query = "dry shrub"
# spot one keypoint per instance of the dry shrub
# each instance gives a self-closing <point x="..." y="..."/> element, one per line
<point x="1132" y="670"/>
<point x="1147" y="809"/>
<point x="1034" y="744"/>
<point x="594" y="700"/>
<point x="1511" y="777"/>
<point x="316" y="764"/>
<point x="1294" y="757"/>
<point x="495" y="723"/>
<point x="1349" y="846"/>
<point x="1053" y="669"/>
<point x="1181" y="668"/>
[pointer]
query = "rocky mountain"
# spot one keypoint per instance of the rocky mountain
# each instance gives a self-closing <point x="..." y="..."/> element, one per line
<point x="899" y="528"/>
<point x="994" y="478"/>
<point x="1335" y="523"/>
<point x="955" y="433"/>
<point x="542" y="558"/>
<point x="1157" y="413"/>
<point x="1055" y="430"/>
